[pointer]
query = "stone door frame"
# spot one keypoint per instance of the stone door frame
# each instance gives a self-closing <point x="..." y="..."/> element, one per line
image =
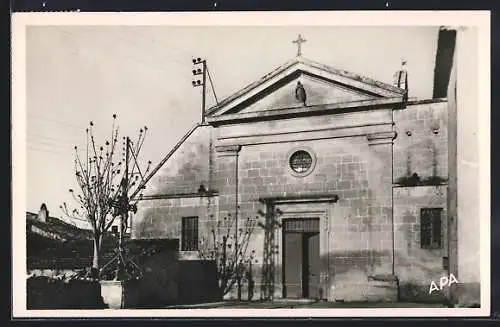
<point x="320" y="207"/>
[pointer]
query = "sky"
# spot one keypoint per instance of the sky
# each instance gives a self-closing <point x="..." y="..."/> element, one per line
<point x="78" y="74"/>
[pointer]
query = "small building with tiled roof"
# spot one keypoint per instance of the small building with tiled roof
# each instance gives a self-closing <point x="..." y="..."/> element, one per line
<point x="55" y="246"/>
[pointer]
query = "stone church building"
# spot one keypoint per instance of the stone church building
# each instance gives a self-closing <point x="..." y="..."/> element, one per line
<point x="350" y="185"/>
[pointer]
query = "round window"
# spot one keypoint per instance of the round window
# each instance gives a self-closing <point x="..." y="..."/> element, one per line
<point x="301" y="161"/>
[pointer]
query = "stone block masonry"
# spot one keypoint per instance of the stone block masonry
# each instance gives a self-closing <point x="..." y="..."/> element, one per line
<point x="162" y="218"/>
<point x="422" y="144"/>
<point x="420" y="178"/>
<point x="226" y="179"/>
<point x="189" y="167"/>
<point x="415" y="266"/>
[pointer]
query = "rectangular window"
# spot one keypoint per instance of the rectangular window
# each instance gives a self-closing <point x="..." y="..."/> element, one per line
<point x="189" y="237"/>
<point x="430" y="228"/>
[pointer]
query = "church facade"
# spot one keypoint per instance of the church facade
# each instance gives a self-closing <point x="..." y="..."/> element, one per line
<point x="348" y="178"/>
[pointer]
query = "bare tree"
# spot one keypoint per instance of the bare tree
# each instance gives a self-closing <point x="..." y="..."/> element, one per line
<point x="227" y="247"/>
<point x="104" y="180"/>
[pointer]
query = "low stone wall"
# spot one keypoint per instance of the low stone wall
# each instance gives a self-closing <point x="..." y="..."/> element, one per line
<point x="166" y="280"/>
<point x="158" y="287"/>
<point x="49" y="293"/>
<point x="198" y="282"/>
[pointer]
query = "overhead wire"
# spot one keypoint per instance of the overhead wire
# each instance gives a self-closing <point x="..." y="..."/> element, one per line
<point x="59" y="123"/>
<point x="186" y="64"/>
<point x="50" y="140"/>
<point x="138" y="47"/>
<point x="212" y="86"/>
<point x="53" y="144"/>
<point x="56" y="121"/>
<point x="147" y="63"/>
<point x="47" y="151"/>
<point x="42" y="146"/>
<point x="182" y="52"/>
<point x="29" y="133"/>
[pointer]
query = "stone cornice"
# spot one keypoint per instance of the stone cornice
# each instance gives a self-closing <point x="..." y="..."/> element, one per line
<point x="227" y="150"/>
<point x="361" y="130"/>
<point x="381" y="138"/>
<point x="324" y="109"/>
<point x="179" y="196"/>
<point x="414" y="102"/>
<point x="301" y="199"/>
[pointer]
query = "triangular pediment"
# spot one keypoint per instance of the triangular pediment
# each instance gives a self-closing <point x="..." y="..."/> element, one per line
<point x="318" y="92"/>
<point x="323" y="84"/>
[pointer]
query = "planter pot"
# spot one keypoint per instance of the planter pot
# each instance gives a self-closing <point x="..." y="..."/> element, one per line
<point x="120" y="294"/>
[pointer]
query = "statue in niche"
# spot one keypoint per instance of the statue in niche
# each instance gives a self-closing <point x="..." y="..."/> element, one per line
<point x="300" y="93"/>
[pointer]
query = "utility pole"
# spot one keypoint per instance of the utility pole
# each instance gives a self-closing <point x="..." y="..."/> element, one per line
<point x="124" y="208"/>
<point x="203" y="83"/>
<point x="125" y="203"/>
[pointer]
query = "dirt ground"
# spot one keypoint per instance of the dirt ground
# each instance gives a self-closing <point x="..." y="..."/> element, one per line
<point x="291" y="304"/>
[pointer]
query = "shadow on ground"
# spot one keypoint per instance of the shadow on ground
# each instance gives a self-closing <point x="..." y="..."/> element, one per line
<point x="282" y="304"/>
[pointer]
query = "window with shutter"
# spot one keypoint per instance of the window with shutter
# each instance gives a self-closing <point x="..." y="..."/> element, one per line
<point x="189" y="237"/>
<point x="430" y="228"/>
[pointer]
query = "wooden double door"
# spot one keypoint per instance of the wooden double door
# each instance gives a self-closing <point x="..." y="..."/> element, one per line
<point x="301" y="259"/>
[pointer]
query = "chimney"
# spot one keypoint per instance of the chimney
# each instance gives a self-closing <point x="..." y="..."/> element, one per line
<point x="444" y="60"/>
<point x="401" y="79"/>
<point x="43" y="213"/>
